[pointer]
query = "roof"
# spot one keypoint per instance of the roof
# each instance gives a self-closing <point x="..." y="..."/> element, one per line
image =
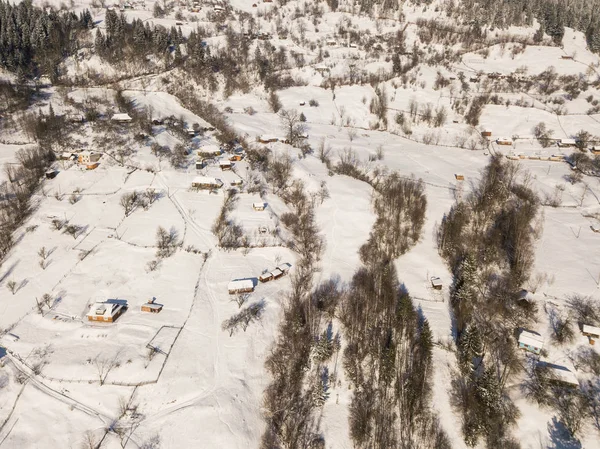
<point x="2" y="352"/>
<point x="284" y="267"/>
<point x="568" y="141"/>
<point x="277" y="272"/>
<point x="504" y="139"/>
<point x="268" y="137"/>
<point x="121" y="117"/>
<point x="224" y="163"/>
<point x="258" y="205"/>
<point x="152" y="305"/>
<point x="531" y="339"/>
<point x="207" y="180"/>
<point x="106" y="309"/>
<point x="240" y="284"/>
<point x="436" y="281"/>
<point x="562" y="373"/>
<point x="591" y="329"/>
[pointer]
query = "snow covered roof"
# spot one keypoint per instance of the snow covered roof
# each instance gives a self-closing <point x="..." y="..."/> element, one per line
<point x="531" y="339"/>
<point x="224" y="163"/>
<point x="240" y="284"/>
<point x="568" y="141"/>
<point x="285" y="267"/>
<point x="276" y="272"/>
<point x="121" y="117"/>
<point x="207" y="180"/>
<point x="562" y="373"/>
<point x="592" y="330"/>
<point x="436" y="281"/>
<point x="258" y="205"/>
<point x="107" y="309"/>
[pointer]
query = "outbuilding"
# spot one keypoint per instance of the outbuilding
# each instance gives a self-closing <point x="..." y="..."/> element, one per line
<point x="285" y="267"/>
<point x="88" y="157"/>
<point x="240" y="286"/>
<point x="258" y="206"/>
<point x="566" y="143"/>
<point x="121" y="117"/>
<point x="531" y="341"/>
<point x="436" y="283"/>
<point x="591" y="332"/>
<point x="504" y="141"/>
<point x="151" y="306"/>
<point x="265" y="277"/>
<point x="277" y="273"/>
<point x="225" y="165"/>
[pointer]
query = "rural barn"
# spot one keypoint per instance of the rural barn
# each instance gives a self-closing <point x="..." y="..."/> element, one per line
<point x="258" y="206"/>
<point x="206" y="183"/>
<point x="530" y="341"/>
<point x="240" y="286"/>
<point x="107" y="311"/>
<point x="592" y="332"/>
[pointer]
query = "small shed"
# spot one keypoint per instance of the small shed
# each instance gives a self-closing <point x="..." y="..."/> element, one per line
<point x="504" y="141"/>
<point x="225" y="165"/>
<point x="592" y="332"/>
<point x="240" y="286"/>
<point x="436" y="283"/>
<point x="302" y="103"/>
<point x="277" y="273"/>
<point x="199" y="165"/>
<point x="595" y="149"/>
<point x="595" y="228"/>
<point x="486" y="133"/>
<point x="152" y="307"/>
<point x="258" y="206"/>
<point x="531" y="341"/>
<point x="265" y="277"/>
<point x="206" y="183"/>
<point x="459" y="177"/>
<point x="267" y="139"/>
<point x="285" y="267"/>
<point x="121" y="117"/>
<point x="51" y="174"/>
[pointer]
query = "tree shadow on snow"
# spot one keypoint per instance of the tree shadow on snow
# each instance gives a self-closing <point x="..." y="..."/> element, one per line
<point x="560" y="437"/>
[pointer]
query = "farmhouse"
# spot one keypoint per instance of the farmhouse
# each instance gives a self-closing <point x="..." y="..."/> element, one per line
<point x="88" y="157"/>
<point x="504" y="141"/>
<point x="530" y="341"/>
<point x="566" y="143"/>
<point x="205" y="182"/>
<point x="121" y="117"/>
<point x="240" y="286"/>
<point x="592" y="332"/>
<point x="225" y="165"/>
<point x="107" y="311"/>
<point x="258" y="206"/>
<point x="209" y="151"/>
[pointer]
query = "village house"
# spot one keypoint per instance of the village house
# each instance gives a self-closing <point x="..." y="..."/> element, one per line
<point x="276" y="273"/>
<point x="240" y="286"/>
<point x="121" y="117"/>
<point x="530" y="341"/>
<point x="436" y="283"/>
<point x="107" y="311"/>
<point x="206" y="183"/>
<point x="236" y="158"/>
<point x="486" y="133"/>
<point x="267" y="139"/>
<point x="225" y="165"/>
<point x="258" y="206"/>
<point x="209" y="151"/>
<point x="504" y="141"/>
<point x="591" y="332"/>
<point x="51" y="174"/>
<point x="88" y="157"/>
<point x="285" y="267"/>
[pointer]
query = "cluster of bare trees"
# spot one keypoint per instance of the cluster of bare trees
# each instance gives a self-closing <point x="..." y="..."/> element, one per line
<point x="488" y="242"/>
<point x="229" y="233"/>
<point x="132" y="200"/>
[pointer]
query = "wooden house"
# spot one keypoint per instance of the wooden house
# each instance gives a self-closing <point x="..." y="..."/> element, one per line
<point x="595" y="150"/>
<point x="206" y="183"/>
<point x="459" y="177"/>
<point x="267" y="139"/>
<point x="265" y="277"/>
<point x="107" y="311"/>
<point x="277" y="273"/>
<point x="236" y="158"/>
<point x="225" y="165"/>
<point x="591" y="332"/>
<point x="258" y="206"/>
<point x="567" y="143"/>
<point x="486" y="133"/>
<point x="240" y="286"/>
<point x="530" y="341"/>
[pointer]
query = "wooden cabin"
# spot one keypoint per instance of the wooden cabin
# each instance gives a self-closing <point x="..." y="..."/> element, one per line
<point x="240" y="286"/>
<point x="225" y="165"/>
<point x="504" y="141"/>
<point x="459" y="177"/>
<point x="277" y="273"/>
<point x="152" y="308"/>
<point x="265" y="277"/>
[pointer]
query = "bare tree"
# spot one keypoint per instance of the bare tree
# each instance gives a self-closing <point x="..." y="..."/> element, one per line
<point x="129" y="201"/>
<point x="89" y="440"/>
<point x="240" y="299"/>
<point x="166" y="241"/>
<point x="294" y="127"/>
<point x="12" y="286"/>
<point x="104" y="365"/>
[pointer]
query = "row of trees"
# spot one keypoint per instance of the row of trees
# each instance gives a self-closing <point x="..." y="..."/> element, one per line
<point x="487" y="240"/>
